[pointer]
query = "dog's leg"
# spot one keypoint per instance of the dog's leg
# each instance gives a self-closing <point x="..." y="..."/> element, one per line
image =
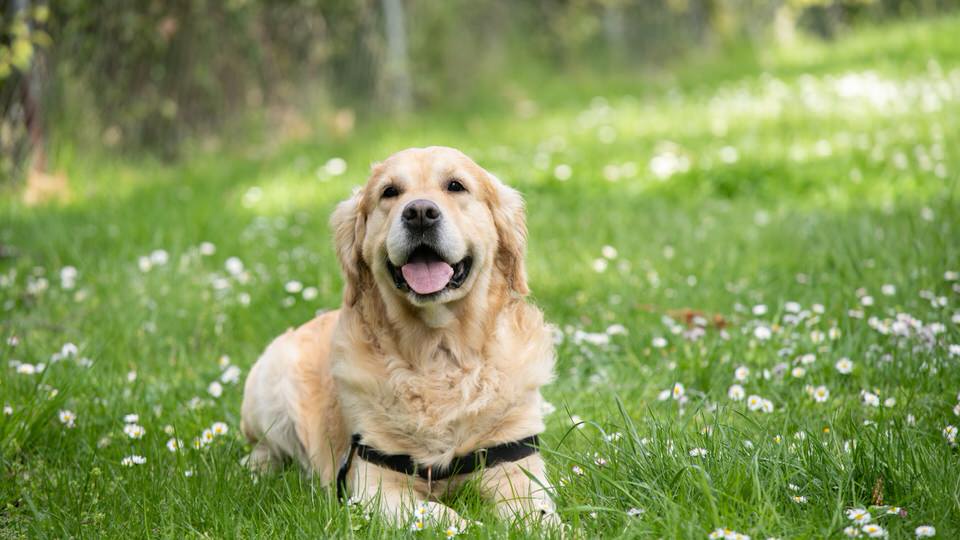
<point x="516" y="494"/>
<point x="400" y="499"/>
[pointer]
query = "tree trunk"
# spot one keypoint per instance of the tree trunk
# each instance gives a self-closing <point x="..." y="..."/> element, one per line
<point x="396" y="69"/>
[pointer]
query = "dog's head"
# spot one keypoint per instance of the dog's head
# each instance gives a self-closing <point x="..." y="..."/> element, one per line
<point x="429" y="225"/>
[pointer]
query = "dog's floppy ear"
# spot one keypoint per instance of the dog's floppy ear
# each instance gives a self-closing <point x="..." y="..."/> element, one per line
<point x="511" y="223"/>
<point x="349" y="225"/>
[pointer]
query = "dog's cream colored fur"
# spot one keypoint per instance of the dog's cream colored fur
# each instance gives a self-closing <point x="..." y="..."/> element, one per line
<point x="432" y="379"/>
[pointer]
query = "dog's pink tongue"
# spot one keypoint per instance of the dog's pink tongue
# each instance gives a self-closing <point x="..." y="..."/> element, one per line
<point x="426" y="277"/>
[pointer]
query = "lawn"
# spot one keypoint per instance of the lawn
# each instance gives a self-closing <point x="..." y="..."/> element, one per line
<point x="752" y="264"/>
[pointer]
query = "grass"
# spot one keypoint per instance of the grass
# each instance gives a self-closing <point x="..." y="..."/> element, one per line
<point x="810" y="177"/>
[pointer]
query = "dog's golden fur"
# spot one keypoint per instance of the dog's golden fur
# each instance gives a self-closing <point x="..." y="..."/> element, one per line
<point x="431" y="378"/>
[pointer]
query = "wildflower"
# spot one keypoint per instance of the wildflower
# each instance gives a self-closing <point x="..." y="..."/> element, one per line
<point x="925" y="531"/>
<point x="867" y="300"/>
<point x="609" y="252"/>
<point x="762" y="333"/>
<point x="293" y="287"/>
<point x="950" y="433"/>
<point x="230" y="375"/>
<point x="634" y="512"/>
<point x="677" y="391"/>
<point x="821" y="394"/>
<point x="870" y="399"/>
<point x="451" y="531"/>
<point x="874" y="531"/>
<point x="859" y="516"/>
<point x="754" y="403"/>
<point x="844" y="366"/>
<point x="851" y="532"/>
<point x="759" y="309"/>
<point x="417" y="525"/>
<point x="716" y="534"/>
<point x="215" y="389"/>
<point x="698" y="452"/>
<point x="131" y="418"/>
<point x="188" y="473"/>
<point x="600" y="461"/>
<point x="816" y="336"/>
<point x="799" y="499"/>
<point x="659" y="342"/>
<point x="766" y="406"/>
<point x="134" y="431"/>
<point x="600" y="265"/>
<point x="741" y="373"/>
<point x="888" y="289"/>
<point x="67" y="417"/>
<point x="562" y="172"/>
<point x="736" y="393"/>
<point x="798" y="372"/>
<point x="174" y="444"/>
<point x="889" y="402"/>
<point x="7" y="410"/>
<point x="207" y="436"/>
<point x="130" y="461"/>
<point x="310" y="293"/>
<point x="219" y="428"/>
<point x="577" y="470"/>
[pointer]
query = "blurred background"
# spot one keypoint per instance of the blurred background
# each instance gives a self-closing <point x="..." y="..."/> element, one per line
<point x="158" y="76"/>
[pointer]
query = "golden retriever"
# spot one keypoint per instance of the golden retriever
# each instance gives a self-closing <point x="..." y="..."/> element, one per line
<point x="434" y="353"/>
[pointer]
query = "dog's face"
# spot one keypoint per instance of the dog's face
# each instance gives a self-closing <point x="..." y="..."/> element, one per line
<point x="427" y="227"/>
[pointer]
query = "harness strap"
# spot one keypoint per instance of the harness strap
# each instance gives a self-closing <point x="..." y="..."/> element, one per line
<point x="472" y="462"/>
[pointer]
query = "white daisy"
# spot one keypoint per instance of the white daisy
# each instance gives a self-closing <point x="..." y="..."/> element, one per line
<point x="925" y="531"/>
<point x="736" y="392"/>
<point x="874" y="531"/>
<point x="67" y="417"/>
<point x="859" y="516"/>
<point x="821" y="394"/>
<point x="844" y="366"/>
<point x="219" y="428"/>
<point x="134" y="431"/>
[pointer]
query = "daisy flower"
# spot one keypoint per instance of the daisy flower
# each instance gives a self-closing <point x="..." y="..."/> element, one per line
<point x="874" y="531"/>
<point x="576" y="470"/>
<point x="219" y="428"/>
<point x="698" y="452"/>
<point x="859" y="516"/>
<point x="821" y="394"/>
<point x="741" y="373"/>
<point x="677" y="391"/>
<point x="131" y="418"/>
<point x="130" y="461"/>
<point x="215" y="389"/>
<point x="735" y="392"/>
<point x="852" y="532"/>
<point x="134" y="431"/>
<point x="950" y="432"/>
<point x="762" y="333"/>
<point x="67" y="417"/>
<point x="659" y="342"/>
<point x="925" y="531"/>
<point x="844" y="365"/>
<point x="754" y="403"/>
<point x="870" y="399"/>
<point x="417" y="525"/>
<point x="634" y="512"/>
<point x="7" y="410"/>
<point x="799" y="499"/>
<point x="207" y="436"/>
<point x="451" y="531"/>
<point x="174" y="444"/>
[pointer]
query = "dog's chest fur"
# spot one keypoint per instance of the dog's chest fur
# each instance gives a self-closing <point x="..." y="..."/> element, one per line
<point x="445" y="404"/>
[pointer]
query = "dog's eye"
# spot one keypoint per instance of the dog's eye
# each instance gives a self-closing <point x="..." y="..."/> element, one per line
<point x="455" y="186"/>
<point x="390" y="192"/>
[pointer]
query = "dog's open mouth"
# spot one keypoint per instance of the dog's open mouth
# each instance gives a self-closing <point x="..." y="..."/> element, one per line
<point x="427" y="273"/>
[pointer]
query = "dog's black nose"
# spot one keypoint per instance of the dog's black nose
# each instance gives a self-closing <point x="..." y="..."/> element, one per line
<point x="421" y="214"/>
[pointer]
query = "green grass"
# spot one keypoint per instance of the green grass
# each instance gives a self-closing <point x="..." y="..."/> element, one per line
<point x="821" y="199"/>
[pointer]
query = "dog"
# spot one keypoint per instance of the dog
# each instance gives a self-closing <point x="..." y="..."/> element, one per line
<point x="435" y="358"/>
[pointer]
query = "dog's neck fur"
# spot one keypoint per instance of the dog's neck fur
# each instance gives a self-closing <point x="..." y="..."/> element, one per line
<point x="416" y="332"/>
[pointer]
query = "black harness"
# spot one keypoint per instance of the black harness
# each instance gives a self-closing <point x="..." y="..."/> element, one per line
<point x="402" y="463"/>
